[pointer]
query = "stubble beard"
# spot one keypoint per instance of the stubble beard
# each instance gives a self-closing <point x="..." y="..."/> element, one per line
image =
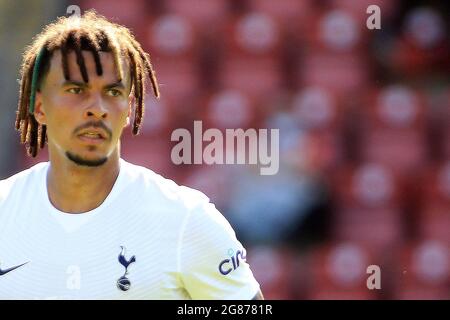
<point x="85" y="162"/>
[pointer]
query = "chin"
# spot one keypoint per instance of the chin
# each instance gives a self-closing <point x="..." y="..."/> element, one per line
<point x="86" y="161"/>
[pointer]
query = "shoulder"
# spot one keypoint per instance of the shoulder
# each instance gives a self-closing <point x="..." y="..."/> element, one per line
<point x="161" y="190"/>
<point x="19" y="181"/>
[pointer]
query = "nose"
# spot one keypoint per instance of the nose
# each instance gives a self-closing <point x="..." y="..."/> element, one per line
<point x="96" y="109"/>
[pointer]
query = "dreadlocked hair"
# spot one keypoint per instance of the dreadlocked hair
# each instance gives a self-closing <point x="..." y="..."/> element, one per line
<point x="90" y="32"/>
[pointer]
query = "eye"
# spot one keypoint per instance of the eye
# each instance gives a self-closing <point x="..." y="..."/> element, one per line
<point x="75" y="90"/>
<point x="114" y="93"/>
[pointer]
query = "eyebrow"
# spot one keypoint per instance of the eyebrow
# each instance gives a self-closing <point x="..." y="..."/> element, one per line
<point x="74" y="83"/>
<point x="118" y="84"/>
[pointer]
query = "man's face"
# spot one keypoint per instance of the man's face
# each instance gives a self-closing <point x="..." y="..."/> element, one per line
<point x="84" y="120"/>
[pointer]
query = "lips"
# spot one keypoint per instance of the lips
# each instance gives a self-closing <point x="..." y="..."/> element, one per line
<point x="92" y="135"/>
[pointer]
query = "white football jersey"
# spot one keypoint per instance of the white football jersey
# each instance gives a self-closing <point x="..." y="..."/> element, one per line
<point x="149" y="239"/>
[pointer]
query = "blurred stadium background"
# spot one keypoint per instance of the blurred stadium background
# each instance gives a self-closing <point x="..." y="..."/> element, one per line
<point x="364" y="119"/>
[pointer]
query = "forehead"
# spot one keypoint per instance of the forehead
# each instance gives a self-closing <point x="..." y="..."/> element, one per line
<point x="106" y="60"/>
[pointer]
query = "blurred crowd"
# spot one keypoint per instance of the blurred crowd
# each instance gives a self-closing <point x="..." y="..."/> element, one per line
<point x="364" y="119"/>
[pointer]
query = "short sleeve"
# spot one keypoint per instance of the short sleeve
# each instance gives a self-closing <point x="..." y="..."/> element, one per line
<point x="211" y="261"/>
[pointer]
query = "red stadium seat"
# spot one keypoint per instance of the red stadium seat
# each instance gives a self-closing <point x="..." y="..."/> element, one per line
<point x="177" y="79"/>
<point x="133" y="16"/>
<point x="251" y="57"/>
<point x="335" y="31"/>
<point x="445" y="120"/>
<point x="436" y="225"/>
<point x="339" y="272"/>
<point x="319" y="152"/>
<point x="343" y="74"/>
<point x="434" y="218"/>
<point x="285" y="12"/>
<point x="378" y="229"/>
<point x="115" y="10"/>
<point x="172" y="36"/>
<point x="369" y="185"/>
<point x="334" y="58"/>
<point x="446" y="144"/>
<point x="368" y="203"/>
<point x="273" y="267"/>
<point x="257" y="77"/>
<point x="316" y="109"/>
<point x="152" y="153"/>
<point x="253" y="35"/>
<point x="358" y="7"/>
<point x="228" y="109"/>
<point x="318" y="113"/>
<point x="173" y="42"/>
<point x="394" y="129"/>
<point x="422" y="47"/>
<point x="208" y="16"/>
<point x="422" y="271"/>
<point x="158" y="116"/>
<point x="213" y="180"/>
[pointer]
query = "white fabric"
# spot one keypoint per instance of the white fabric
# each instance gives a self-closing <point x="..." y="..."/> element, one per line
<point x="178" y="238"/>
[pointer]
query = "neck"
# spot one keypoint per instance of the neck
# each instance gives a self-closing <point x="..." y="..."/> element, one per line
<point x="78" y="189"/>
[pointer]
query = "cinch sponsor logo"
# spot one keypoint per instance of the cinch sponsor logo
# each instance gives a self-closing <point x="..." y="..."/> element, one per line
<point x="231" y="264"/>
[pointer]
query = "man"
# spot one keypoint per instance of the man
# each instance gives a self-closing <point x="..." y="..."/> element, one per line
<point x="87" y="224"/>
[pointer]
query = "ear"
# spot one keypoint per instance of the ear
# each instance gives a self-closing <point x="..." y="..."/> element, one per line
<point x="39" y="113"/>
